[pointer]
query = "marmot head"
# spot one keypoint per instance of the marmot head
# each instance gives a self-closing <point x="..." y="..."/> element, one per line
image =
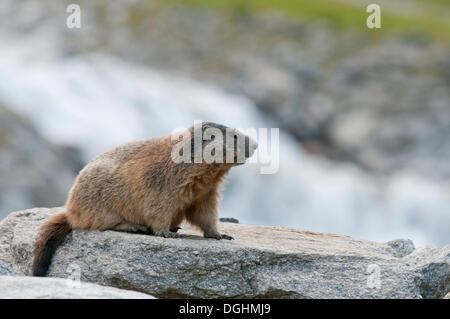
<point x="221" y="144"/>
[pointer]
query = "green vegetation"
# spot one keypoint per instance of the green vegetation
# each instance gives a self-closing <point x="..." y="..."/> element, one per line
<point x="425" y="17"/>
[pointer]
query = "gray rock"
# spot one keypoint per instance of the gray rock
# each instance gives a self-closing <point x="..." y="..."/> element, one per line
<point x="402" y="247"/>
<point x="434" y="266"/>
<point x="5" y="270"/>
<point x="56" y="288"/>
<point x="444" y="288"/>
<point x="262" y="261"/>
<point x="22" y="176"/>
<point x="229" y="220"/>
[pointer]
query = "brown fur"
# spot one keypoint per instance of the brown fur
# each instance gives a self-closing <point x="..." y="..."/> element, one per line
<point x="137" y="187"/>
<point x="52" y="235"/>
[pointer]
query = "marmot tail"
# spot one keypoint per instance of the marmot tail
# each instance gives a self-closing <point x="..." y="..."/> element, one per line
<point x="52" y="235"/>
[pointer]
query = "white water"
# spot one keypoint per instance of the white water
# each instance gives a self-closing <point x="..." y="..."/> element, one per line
<point x="96" y="102"/>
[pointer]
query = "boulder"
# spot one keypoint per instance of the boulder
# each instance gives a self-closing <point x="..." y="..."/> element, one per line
<point x="402" y="247"/>
<point x="262" y="262"/>
<point x="5" y="270"/>
<point x="27" y="158"/>
<point x="56" y="288"/>
<point x="229" y="220"/>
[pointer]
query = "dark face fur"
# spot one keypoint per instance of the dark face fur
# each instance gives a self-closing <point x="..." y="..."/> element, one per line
<point x="216" y="136"/>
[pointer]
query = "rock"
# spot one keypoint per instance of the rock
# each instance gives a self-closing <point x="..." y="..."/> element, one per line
<point x="229" y="220"/>
<point x="402" y="247"/>
<point x="5" y="270"/>
<point x="262" y="262"/>
<point x="22" y="176"/>
<point x="444" y="289"/>
<point x="447" y="296"/>
<point x="353" y="129"/>
<point x="396" y="78"/>
<point x="434" y="265"/>
<point x="56" y="288"/>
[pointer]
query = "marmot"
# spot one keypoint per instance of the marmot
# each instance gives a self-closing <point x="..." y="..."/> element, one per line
<point x="137" y="187"/>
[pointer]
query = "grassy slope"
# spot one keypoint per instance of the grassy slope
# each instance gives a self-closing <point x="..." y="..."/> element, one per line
<point x="344" y="14"/>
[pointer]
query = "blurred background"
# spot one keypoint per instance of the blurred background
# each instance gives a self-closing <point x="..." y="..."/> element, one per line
<point x="364" y="113"/>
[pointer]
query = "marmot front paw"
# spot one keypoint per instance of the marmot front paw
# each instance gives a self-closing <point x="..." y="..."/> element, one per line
<point x="216" y="235"/>
<point x="167" y="234"/>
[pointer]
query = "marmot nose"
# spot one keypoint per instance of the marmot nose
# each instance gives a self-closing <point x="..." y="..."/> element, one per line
<point x="253" y="145"/>
<point x="250" y="146"/>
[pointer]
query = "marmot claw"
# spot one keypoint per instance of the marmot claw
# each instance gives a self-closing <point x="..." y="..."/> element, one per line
<point x="216" y="235"/>
<point x="175" y="229"/>
<point x="227" y="237"/>
<point x="167" y="234"/>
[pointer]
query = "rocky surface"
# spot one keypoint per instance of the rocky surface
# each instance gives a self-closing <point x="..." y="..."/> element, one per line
<point x="262" y="261"/>
<point x="382" y="103"/>
<point x="402" y="247"/>
<point x="27" y="161"/>
<point x="56" y="288"/>
<point x="5" y="270"/>
<point x="229" y="220"/>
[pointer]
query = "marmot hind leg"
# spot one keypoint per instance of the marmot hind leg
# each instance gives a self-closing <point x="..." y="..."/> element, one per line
<point x="176" y="222"/>
<point x="133" y="228"/>
<point x="140" y="229"/>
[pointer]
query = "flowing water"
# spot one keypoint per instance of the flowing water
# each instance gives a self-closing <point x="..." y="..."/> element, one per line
<point x="95" y="102"/>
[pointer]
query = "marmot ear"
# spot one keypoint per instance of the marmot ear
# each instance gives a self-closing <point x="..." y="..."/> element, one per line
<point x="214" y="125"/>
